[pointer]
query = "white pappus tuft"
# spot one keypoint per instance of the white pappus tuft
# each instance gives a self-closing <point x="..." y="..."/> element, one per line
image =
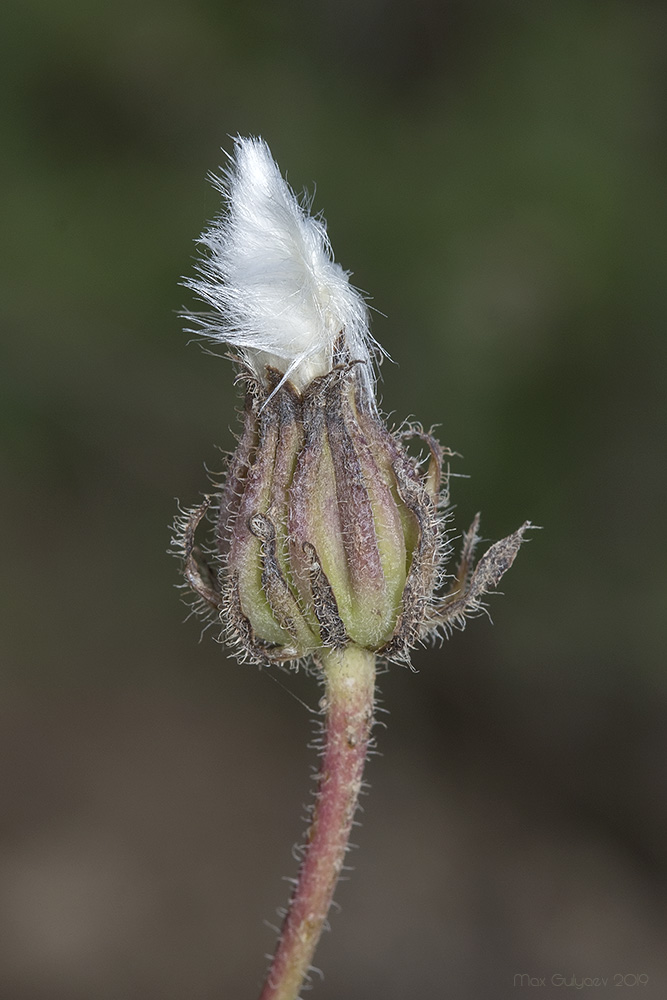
<point x="277" y="294"/>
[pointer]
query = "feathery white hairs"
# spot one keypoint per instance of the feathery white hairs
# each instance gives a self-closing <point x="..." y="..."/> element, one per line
<point x="278" y="295"/>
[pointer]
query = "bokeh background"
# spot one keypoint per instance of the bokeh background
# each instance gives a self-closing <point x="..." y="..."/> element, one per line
<point x="493" y="173"/>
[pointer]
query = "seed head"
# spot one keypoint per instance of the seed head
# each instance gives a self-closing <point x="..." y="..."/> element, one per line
<point x="327" y="531"/>
<point x="277" y="294"/>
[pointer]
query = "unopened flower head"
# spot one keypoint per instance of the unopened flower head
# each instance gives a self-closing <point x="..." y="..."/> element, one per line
<point x="328" y="533"/>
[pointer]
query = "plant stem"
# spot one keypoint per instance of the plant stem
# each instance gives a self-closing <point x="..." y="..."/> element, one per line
<point x="349" y="679"/>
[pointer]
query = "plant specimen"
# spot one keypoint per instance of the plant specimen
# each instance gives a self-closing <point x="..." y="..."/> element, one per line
<point x="329" y="538"/>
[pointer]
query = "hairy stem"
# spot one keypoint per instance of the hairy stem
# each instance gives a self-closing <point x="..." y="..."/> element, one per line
<point x="349" y="679"/>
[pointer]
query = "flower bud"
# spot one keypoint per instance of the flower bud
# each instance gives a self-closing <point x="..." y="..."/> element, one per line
<point x="326" y="530"/>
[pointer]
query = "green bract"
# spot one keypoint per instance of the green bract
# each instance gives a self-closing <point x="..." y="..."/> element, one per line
<point x="327" y="530"/>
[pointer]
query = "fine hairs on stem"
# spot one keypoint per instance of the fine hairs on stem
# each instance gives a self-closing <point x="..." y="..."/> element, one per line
<point x="349" y="682"/>
<point x="329" y="539"/>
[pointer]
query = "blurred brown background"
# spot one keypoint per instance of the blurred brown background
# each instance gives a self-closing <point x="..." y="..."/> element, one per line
<point x="493" y="173"/>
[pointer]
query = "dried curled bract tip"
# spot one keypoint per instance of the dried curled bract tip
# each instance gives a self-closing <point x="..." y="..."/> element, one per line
<point x="328" y="533"/>
<point x="465" y="597"/>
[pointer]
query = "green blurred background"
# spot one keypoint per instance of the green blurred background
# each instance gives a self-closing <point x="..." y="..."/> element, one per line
<point x="494" y="175"/>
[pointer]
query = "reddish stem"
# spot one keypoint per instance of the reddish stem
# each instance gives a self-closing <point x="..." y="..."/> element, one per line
<point x="349" y="677"/>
